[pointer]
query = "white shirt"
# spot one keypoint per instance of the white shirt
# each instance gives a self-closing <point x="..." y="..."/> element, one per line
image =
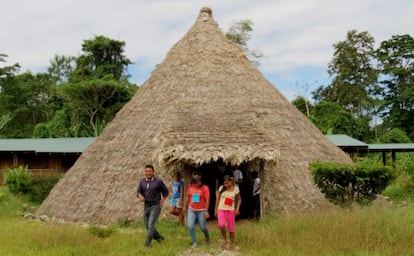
<point x="237" y="175"/>
<point x="256" y="186"/>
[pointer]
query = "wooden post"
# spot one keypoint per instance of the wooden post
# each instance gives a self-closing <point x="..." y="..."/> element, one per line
<point x="393" y="158"/>
<point x="262" y="188"/>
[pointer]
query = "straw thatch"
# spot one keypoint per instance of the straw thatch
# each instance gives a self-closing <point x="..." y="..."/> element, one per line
<point x="205" y="102"/>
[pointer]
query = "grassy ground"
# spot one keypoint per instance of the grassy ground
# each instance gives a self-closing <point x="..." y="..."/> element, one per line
<point x="375" y="230"/>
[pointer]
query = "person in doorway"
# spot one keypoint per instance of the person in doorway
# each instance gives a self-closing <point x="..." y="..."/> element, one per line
<point x="196" y="207"/>
<point x="226" y="210"/>
<point x="238" y="179"/>
<point x="256" y="195"/>
<point x="177" y="198"/>
<point x="152" y="191"/>
<point x="221" y="172"/>
<point x="238" y="176"/>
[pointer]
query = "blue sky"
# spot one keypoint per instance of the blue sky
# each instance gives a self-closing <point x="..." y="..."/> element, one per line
<point x="296" y="37"/>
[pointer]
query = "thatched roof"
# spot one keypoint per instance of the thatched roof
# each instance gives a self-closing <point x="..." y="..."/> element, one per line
<point x="206" y="101"/>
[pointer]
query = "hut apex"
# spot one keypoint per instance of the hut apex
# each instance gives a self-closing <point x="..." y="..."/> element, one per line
<point x="204" y="105"/>
<point x="206" y="13"/>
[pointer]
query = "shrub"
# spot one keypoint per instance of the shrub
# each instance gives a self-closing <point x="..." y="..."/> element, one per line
<point x="17" y="180"/>
<point x="344" y="184"/>
<point x="40" y="186"/>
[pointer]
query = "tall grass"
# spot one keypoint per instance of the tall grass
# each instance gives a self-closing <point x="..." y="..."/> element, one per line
<point x="362" y="231"/>
<point x="375" y="230"/>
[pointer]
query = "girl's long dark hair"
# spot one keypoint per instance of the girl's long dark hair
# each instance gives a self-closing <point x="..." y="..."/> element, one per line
<point x="225" y="178"/>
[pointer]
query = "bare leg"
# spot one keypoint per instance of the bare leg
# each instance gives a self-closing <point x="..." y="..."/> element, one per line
<point x="180" y="216"/>
<point x="231" y="240"/>
<point x="224" y="234"/>
<point x="173" y="211"/>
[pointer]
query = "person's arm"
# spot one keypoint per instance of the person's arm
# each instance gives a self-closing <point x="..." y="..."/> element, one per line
<point x="182" y="193"/>
<point x="207" y="214"/>
<point x="217" y="203"/>
<point x="207" y="195"/>
<point x="187" y="202"/>
<point x="164" y="193"/>
<point x="140" y="193"/>
<point x="239" y="200"/>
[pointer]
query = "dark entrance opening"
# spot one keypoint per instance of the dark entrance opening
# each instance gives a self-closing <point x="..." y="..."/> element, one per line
<point x="210" y="172"/>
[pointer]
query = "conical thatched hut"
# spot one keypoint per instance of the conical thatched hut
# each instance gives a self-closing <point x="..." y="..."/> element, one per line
<point x="206" y="102"/>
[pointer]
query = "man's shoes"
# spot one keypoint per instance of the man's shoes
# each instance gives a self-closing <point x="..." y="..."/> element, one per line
<point x="159" y="239"/>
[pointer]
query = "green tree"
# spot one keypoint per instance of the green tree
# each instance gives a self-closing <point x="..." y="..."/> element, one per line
<point x="60" y="68"/>
<point x="97" y="100"/>
<point x="303" y="105"/>
<point x="7" y="71"/>
<point x="330" y="118"/>
<point x="4" y="119"/>
<point x="6" y="77"/>
<point x="395" y="135"/>
<point x="396" y="61"/>
<point x="240" y="33"/>
<point x="91" y="89"/>
<point x="101" y="57"/>
<point x="354" y="77"/>
<point x="24" y="98"/>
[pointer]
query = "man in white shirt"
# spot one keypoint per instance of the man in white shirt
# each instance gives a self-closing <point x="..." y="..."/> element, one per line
<point x="237" y="176"/>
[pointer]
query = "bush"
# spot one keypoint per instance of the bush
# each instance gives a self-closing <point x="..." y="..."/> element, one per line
<point x="40" y="187"/>
<point x="37" y="187"/>
<point x="344" y="184"/>
<point x="17" y="180"/>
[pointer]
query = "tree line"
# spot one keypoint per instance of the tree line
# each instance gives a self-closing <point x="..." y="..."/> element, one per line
<point x="371" y="96"/>
<point x="76" y="97"/>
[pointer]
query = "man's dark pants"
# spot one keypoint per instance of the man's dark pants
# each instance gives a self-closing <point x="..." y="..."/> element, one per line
<point x="151" y="214"/>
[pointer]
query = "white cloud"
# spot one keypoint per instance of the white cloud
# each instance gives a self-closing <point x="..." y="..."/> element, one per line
<point x="291" y="34"/>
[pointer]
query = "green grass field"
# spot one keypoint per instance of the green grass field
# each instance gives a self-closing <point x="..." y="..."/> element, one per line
<point x="374" y="230"/>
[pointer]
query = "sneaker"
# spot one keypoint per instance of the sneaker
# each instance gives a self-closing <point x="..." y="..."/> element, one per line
<point x="160" y="239"/>
<point x="194" y="245"/>
<point x="207" y="240"/>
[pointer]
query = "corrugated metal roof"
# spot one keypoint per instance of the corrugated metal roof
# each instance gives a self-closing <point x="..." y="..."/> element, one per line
<point x="78" y="145"/>
<point x="403" y="147"/>
<point x="342" y="140"/>
<point x="52" y="145"/>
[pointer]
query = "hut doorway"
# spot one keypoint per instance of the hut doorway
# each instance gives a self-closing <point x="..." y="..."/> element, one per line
<point x="210" y="174"/>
